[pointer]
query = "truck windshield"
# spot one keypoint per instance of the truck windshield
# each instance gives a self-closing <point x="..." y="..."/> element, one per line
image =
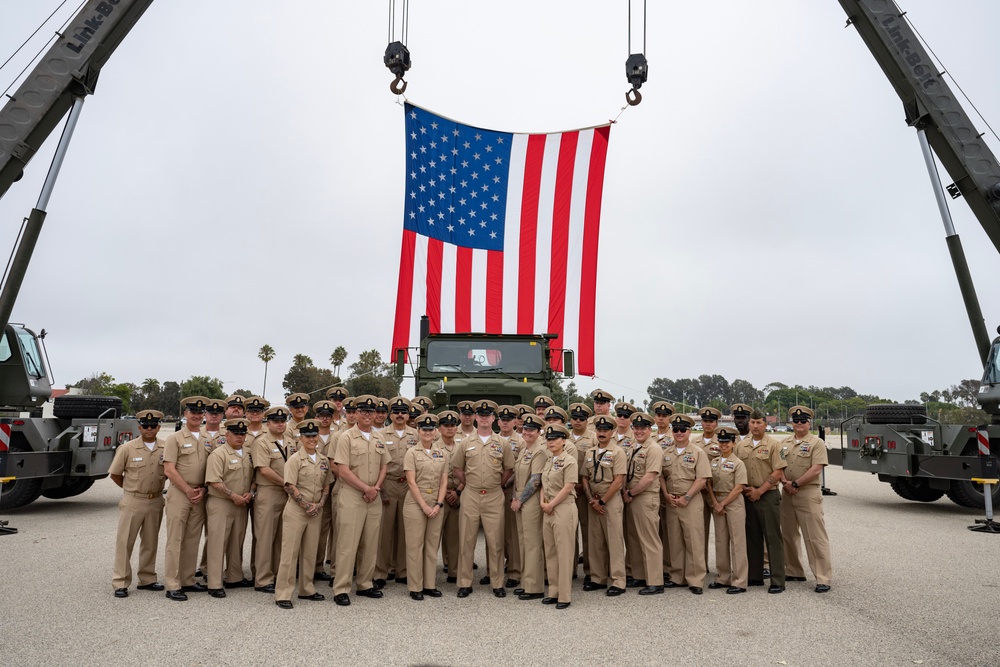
<point x="32" y="357"/>
<point x="991" y="375"/>
<point x="484" y="356"/>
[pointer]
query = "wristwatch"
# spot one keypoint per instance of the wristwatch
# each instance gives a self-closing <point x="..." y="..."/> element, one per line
<point x="630" y="494"/>
<point x="795" y="485"/>
<point x="440" y="504"/>
<point x="600" y="501"/>
<point x="687" y="498"/>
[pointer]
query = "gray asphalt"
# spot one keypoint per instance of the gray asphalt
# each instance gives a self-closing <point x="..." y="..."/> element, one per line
<point x="911" y="586"/>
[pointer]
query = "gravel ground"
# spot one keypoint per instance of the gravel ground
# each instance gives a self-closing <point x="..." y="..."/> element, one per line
<point x="911" y="586"/>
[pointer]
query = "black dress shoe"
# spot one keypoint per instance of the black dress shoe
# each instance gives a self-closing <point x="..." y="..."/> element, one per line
<point x="672" y="584"/>
<point x="666" y="576"/>
<point x="774" y="589"/>
<point x="795" y="578"/>
<point x="369" y="593"/>
<point x="591" y="586"/>
<point x="217" y="592"/>
<point x="199" y="573"/>
<point x="242" y="583"/>
<point x="176" y="595"/>
<point x="767" y="573"/>
<point x="574" y="576"/>
<point x="464" y="592"/>
<point x="529" y="596"/>
<point x="651" y="590"/>
<point x="635" y="583"/>
<point x="549" y="600"/>
<point x="452" y="580"/>
<point x="378" y="584"/>
<point x="475" y="565"/>
<point x="121" y="592"/>
<point x="733" y="590"/>
<point x="400" y="580"/>
<point x="342" y="599"/>
<point x="822" y="588"/>
<point x="518" y="591"/>
<point x="315" y="597"/>
<point x="432" y="592"/>
<point x="155" y="586"/>
<point x="485" y="581"/>
<point x="716" y="584"/>
<point x="755" y="582"/>
<point x="195" y="588"/>
<point x="500" y="592"/>
<point x="267" y="588"/>
<point x="416" y="595"/>
<point x="284" y="604"/>
<point x="586" y="579"/>
<point x="562" y="605"/>
<point x="512" y="583"/>
<point x="322" y="576"/>
<point x="613" y="591"/>
<point x="695" y="589"/>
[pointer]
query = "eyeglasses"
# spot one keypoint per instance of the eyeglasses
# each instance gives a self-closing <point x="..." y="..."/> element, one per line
<point x="367" y="411"/>
<point x="679" y="429"/>
<point x="577" y="419"/>
<point x="800" y="421"/>
<point x="279" y="420"/>
<point x="428" y="428"/>
<point x="400" y="411"/>
<point x="710" y="419"/>
<point x="149" y="425"/>
<point x="216" y="412"/>
<point x="196" y="411"/>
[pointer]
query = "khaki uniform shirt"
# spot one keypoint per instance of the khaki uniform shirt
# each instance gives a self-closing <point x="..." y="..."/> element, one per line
<point x="802" y="455"/>
<point x="515" y="443"/>
<point x="142" y="469"/>
<point x="483" y="463"/>
<point x="267" y="453"/>
<point x="665" y="439"/>
<point x="699" y="440"/>
<point x="291" y="431"/>
<point x="213" y="442"/>
<point x="761" y="460"/>
<point x="184" y="449"/>
<point x="363" y="455"/>
<point x="230" y="468"/>
<point x="583" y="444"/>
<point x="308" y="476"/>
<point x="681" y="470"/>
<point x="629" y="438"/>
<point x="450" y="451"/>
<point x="727" y="473"/>
<point x="427" y="466"/>
<point x="398" y="445"/>
<point x="601" y="466"/>
<point x="558" y="472"/>
<point x="643" y="458"/>
<point x="531" y="462"/>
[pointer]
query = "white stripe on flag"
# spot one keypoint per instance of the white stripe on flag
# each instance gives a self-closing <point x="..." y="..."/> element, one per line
<point x="418" y="304"/>
<point x="543" y="245"/>
<point x="479" y="290"/>
<point x="574" y="258"/>
<point x="512" y="232"/>
<point x="448" y="282"/>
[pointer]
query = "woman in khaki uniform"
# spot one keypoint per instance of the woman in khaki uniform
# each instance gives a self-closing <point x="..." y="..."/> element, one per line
<point x="729" y="476"/>
<point x="307" y="483"/>
<point x="558" y="502"/>
<point x="426" y="468"/>
<point x="527" y="509"/>
<point x="448" y="422"/>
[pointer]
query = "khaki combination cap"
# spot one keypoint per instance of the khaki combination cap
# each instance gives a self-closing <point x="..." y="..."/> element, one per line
<point x="543" y="401"/>
<point x="423" y="401"/>
<point x="256" y="403"/>
<point x="381" y="404"/>
<point x="726" y="433"/>
<point x="350" y="404"/>
<point x="553" y="431"/>
<point x="486" y="407"/>
<point x="297" y="400"/>
<point x="324" y="408"/>
<point x="531" y="420"/>
<point x="601" y="396"/>
<point x="449" y="418"/>
<point x="580" y="410"/>
<point x="507" y="412"/>
<point x="308" y="426"/>
<point x="235" y="399"/>
<point x="149" y="417"/>
<point x="337" y="394"/>
<point x="709" y="413"/>
<point x="799" y="411"/>
<point x="399" y="404"/>
<point x="525" y="409"/>
<point x="466" y="406"/>
<point x="278" y="412"/>
<point x="741" y="409"/>
<point x="681" y="420"/>
<point x="427" y="421"/>
<point x="416" y="410"/>
<point x="215" y="405"/>
<point x="366" y="402"/>
<point x="237" y="426"/>
<point x="555" y="412"/>
<point x="603" y="423"/>
<point x="195" y="403"/>
<point x="625" y="409"/>
<point x="641" y="419"/>
<point x="663" y="408"/>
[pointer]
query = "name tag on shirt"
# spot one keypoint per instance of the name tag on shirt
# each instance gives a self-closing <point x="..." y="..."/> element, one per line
<point x="186" y="445"/>
<point x="138" y="458"/>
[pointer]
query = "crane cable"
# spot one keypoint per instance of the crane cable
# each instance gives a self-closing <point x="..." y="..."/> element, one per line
<point x="44" y="46"/>
<point x="636" y="67"/>
<point x="397" y="56"/>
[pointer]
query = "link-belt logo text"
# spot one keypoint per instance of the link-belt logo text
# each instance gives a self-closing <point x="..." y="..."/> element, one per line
<point x="922" y="72"/>
<point x="92" y="25"/>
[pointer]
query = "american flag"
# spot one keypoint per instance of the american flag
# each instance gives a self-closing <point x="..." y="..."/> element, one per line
<point x="500" y="232"/>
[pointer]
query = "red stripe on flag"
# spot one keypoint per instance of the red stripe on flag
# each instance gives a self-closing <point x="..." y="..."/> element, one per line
<point x="404" y="293"/>
<point x="591" y="231"/>
<point x="435" y="259"/>
<point x="463" y="290"/>
<point x="560" y="242"/>
<point x="494" y="291"/>
<point x="529" y="232"/>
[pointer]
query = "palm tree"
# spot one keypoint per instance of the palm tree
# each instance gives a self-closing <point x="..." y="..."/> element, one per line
<point x="337" y="359"/>
<point x="266" y="354"/>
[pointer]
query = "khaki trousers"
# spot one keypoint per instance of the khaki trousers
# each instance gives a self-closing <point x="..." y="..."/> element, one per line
<point x="559" y="539"/>
<point x="358" y="525"/>
<point x="529" y="526"/>
<point x="804" y="511"/>
<point x="449" y="539"/>
<point x="267" y="519"/>
<point x="583" y="540"/>
<point x="325" y="545"/>
<point x="481" y="507"/>
<point x="299" y="537"/>
<point x="392" y="539"/>
<point x="184" y="525"/>
<point x="643" y="517"/>
<point x="763" y="525"/>
<point x="137" y="517"/>
<point x="664" y="538"/>
<point x="423" y="535"/>
<point x="607" y="544"/>
<point x="731" y="543"/>
<point x="512" y="538"/>
<point x="686" y="532"/>
<point x="227" y="530"/>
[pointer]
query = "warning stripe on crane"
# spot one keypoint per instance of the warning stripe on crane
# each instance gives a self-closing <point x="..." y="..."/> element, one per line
<point x="983" y="436"/>
<point x="4" y="436"/>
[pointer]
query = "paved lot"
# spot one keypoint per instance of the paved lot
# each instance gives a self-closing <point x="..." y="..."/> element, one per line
<point x="911" y="586"/>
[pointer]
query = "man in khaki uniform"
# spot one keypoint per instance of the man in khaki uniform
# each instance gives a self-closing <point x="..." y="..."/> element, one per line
<point x="507" y="416"/>
<point x="399" y="438"/>
<point x="729" y="476"/>
<point x="307" y="483"/>
<point x="602" y="404"/>
<point x="337" y="396"/>
<point x="642" y="506"/>
<point x="662" y="412"/>
<point x="707" y="441"/>
<point x="624" y="435"/>
<point x="741" y="419"/>
<point x="448" y="422"/>
<point x="138" y="469"/>
<point x="482" y="465"/>
<point x="269" y="454"/>
<point x="184" y="459"/>
<point x="229" y="475"/>
<point x="361" y="459"/>
<point x="541" y="404"/>
<point x="235" y="407"/>
<point x="213" y="435"/>
<point x="685" y="472"/>
<point x="327" y="440"/>
<point x="467" y="414"/>
<point x="527" y="480"/>
<point x="802" y="502"/>
<point x="298" y="407"/>
<point x="604" y="469"/>
<point x="582" y="438"/>
<point x="255" y="406"/>
<point x="765" y="462"/>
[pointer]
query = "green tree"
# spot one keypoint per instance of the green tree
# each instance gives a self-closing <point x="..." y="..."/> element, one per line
<point x="170" y="399"/>
<point x="337" y="359"/>
<point x="98" y="384"/>
<point x="245" y="393"/>
<point x="370" y="375"/>
<point x="266" y="354"/>
<point x="305" y="377"/>
<point x="202" y="385"/>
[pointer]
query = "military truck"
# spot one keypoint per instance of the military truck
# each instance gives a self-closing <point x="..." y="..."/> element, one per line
<point x="60" y="456"/>
<point x="919" y="457"/>
<point x="506" y="368"/>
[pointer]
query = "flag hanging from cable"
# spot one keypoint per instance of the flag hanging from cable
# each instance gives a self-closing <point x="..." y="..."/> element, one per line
<point x="500" y="233"/>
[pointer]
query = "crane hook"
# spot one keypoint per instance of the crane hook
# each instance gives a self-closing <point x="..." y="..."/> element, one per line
<point x="633" y="97"/>
<point x="397" y="59"/>
<point x="636" y="71"/>
<point x="399" y="89"/>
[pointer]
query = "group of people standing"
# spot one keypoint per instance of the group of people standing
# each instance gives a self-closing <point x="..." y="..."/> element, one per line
<point x="374" y="488"/>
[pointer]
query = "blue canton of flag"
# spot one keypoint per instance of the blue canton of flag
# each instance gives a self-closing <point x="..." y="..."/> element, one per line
<point x="456" y="177"/>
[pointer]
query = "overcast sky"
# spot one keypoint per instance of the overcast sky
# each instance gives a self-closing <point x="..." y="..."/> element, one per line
<point x="238" y="180"/>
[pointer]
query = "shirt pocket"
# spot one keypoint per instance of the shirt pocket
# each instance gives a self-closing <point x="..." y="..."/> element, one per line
<point x="136" y="465"/>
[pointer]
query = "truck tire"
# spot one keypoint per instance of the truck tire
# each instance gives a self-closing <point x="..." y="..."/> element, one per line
<point x="75" y="407"/>
<point x="20" y="492"/>
<point x="970" y="494"/>
<point x="895" y="413"/>
<point x="73" y="486"/>
<point x="915" y="489"/>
